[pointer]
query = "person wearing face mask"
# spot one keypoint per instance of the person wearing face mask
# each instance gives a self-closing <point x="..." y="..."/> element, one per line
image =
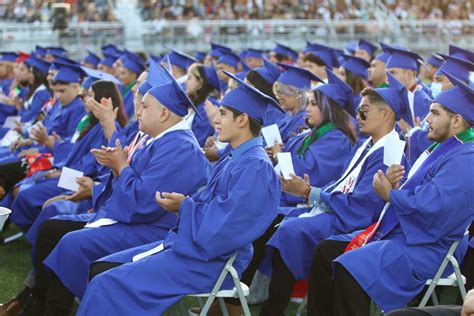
<point x="459" y="68"/>
<point x="390" y="261"/>
<point x="428" y="71"/>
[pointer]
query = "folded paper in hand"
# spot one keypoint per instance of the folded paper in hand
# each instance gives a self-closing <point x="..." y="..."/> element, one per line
<point x="393" y="150"/>
<point x="68" y="179"/>
<point x="271" y="134"/>
<point x="286" y="165"/>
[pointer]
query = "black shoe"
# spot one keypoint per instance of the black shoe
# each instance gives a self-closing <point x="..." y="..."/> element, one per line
<point x="32" y="308"/>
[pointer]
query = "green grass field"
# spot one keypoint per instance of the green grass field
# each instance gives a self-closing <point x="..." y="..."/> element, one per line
<point x="15" y="264"/>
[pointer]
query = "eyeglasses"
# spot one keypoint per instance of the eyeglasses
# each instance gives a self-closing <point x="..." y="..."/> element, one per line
<point x="363" y="114"/>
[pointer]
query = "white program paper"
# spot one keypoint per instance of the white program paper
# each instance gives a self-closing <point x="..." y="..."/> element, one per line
<point x="393" y="150"/>
<point x="10" y="122"/>
<point x="150" y="252"/>
<point x="101" y="222"/>
<point x="10" y="137"/>
<point x="286" y="165"/>
<point x="68" y="179"/>
<point x="271" y="134"/>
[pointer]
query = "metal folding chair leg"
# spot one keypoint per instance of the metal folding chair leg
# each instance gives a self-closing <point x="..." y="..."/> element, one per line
<point x="302" y="306"/>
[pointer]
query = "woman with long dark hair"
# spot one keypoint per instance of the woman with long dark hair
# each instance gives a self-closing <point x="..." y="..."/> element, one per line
<point x="202" y="84"/>
<point x="319" y="156"/>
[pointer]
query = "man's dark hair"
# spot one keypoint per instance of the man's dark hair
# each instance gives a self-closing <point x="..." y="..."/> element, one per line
<point x="255" y="127"/>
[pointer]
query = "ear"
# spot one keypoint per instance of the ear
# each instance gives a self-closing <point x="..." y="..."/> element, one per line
<point x="457" y="121"/>
<point x="164" y="114"/>
<point x="243" y="120"/>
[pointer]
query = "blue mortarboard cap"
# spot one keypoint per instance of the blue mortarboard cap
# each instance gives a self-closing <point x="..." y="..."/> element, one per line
<point x="241" y="75"/>
<point x="88" y="81"/>
<point x="173" y="97"/>
<point x="8" y="56"/>
<point x="40" y="51"/>
<point x="385" y="55"/>
<point x="100" y="75"/>
<point x="157" y="75"/>
<point x="243" y="53"/>
<point x="461" y="53"/>
<point x="212" y="78"/>
<point x="458" y="67"/>
<point x="367" y="46"/>
<point x="217" y="50"/>
<point x="269" y="71"/>
<point x="69" y="73"/>
<point x="181" y="59"/>
<point x="247" y="99"/>
<point x="134" y="55"/>
<point x="339" y="91"/>
<point x="200" y="56"/>
<point x="155" y="58"/>
<point x="339" y="57"/>
<point x="133" y="64"/>
<point x="396" y="97"/>
<point x="350" y="47"/>
<point x="41" y="65"/>
<point x="459" y="99"/>
<point x="30" y="60"/>
<point x="285" y="50"/>
<point x="254" y="53"/>
<point x="64" y="59"/>
<point x="55" y="50"/>
<point x="436" y="60"/>
<point x="144" y="88"/>
<point x="230" y="59"/>
<point x="403" y="58"/>
<point x="297" y="77"/>
<point x="108" y="60"/>
<point x="356" y="65"/>
<point x="92" y="58"/>
<point x="327" y="54"/>
<point x="112" y="50"/>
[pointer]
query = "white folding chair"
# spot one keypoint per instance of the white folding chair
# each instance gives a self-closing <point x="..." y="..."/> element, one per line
<point x="240" y="290"/>
<point x="455" y="280"/>
<point x="302" y="306"/>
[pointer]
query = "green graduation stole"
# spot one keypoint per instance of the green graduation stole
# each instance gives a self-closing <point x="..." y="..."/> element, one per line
<point x="314" y="136"/>
<point x="464" y="136"/>
<point x="128" y="88"/>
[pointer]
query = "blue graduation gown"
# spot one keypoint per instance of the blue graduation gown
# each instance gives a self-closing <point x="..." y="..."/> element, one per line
<point x="38" y="99"/>
<point x="128" y="104"/>
<point x="296" y="238"/>
<point x="172" y="163"/>
<point x="418" y="143"/>
<point x="33" y="193"/>
<point x="322" y="161"/>
<point x="64" y="119"/>
<point x="234" y="209"/>
<point x="422" y="102"/>
<point x="201" y="126"/>
<point x="289" y="125"/>
<point x="272" y="116"/>
<point x="430" y="217"/>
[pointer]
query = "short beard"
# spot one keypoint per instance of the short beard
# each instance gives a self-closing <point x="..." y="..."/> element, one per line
<point x="443" y="134"/>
